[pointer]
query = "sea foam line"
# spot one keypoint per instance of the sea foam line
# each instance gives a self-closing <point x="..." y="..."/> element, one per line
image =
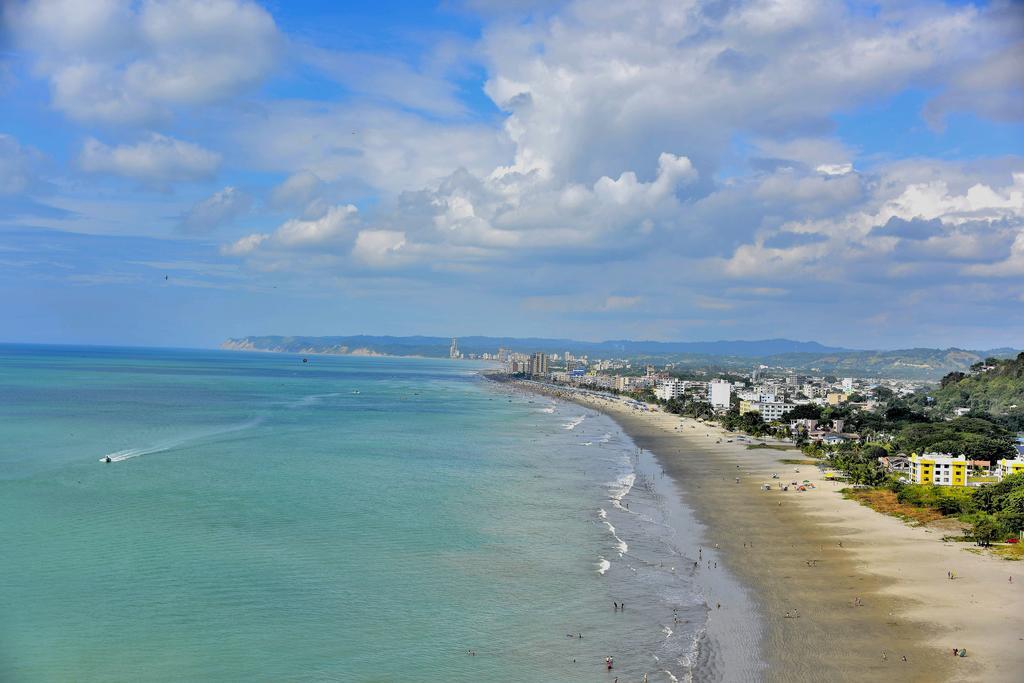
<point x="575" y="422"/>
<point x="621" y="487"/>
<point x="621" y="546"/>
<point x="602" y="565"/>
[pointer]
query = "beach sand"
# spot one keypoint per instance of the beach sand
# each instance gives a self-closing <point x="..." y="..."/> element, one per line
<point x="785" y="546"/>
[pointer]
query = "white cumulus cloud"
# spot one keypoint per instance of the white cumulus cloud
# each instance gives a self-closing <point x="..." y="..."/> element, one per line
<point x="244" y="245"/>
<point x="123" y="62"/>
<point x="158" y="160"/>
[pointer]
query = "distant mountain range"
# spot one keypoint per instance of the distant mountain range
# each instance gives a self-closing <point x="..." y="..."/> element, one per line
<point x="438" y="346"/>
<point x="810" y="357"/>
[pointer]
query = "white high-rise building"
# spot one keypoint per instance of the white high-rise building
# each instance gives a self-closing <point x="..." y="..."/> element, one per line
<point x="719" y="394"/>
<point x="669" y="389"/>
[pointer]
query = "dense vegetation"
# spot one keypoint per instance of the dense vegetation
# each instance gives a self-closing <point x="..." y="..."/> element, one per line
<point x="976" y="438"/>
<point x="994" y="512"/>
<point x="992" y="386"/>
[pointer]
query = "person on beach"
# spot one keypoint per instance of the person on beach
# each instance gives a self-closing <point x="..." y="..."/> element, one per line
<point x="616" y="606"/>
<point x="609" y="663"/>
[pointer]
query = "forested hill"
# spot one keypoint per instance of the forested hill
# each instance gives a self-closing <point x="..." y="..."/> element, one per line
<point x="990" y="386"/>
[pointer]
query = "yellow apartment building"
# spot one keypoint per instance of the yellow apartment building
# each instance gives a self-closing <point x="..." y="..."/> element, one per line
<point x="938" y="469"/>
<point x="1006" y="467"/>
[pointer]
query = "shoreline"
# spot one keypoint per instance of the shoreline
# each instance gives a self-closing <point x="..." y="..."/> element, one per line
<point x="863" y="583"/>
<point x="726" y="645"/>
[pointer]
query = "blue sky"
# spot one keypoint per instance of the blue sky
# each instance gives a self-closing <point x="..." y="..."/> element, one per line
<point x="175" y="172"/>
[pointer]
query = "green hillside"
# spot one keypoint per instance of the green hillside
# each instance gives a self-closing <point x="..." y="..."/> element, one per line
<point x="990" y="386"/>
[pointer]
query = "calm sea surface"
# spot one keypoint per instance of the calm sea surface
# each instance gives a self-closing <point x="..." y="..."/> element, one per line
<point x="345" y="519"/>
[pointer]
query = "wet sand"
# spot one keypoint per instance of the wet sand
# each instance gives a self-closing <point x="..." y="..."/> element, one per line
<point x="885" y="590"/>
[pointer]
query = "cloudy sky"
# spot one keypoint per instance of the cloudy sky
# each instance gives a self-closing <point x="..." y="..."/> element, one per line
<point x="174" y="172"/>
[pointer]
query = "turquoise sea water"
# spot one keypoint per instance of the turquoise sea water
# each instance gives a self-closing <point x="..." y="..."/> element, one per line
<point x="345" y="519"/>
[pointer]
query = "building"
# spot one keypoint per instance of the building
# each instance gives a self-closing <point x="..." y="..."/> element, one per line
<point x="1006" y="467"/>
<point x="835" y="398"/>
<point x="938" y="469"/>
<point x="771" y="411"/>
<point x="847" y="384"/>
<point x="539" y="364"/>
<point x="896" y="464"/>
<point x="453" y="350"/>
<point x="803" y="424"/>
<point x="719" y="394"/>
<point x="669" y="389"/>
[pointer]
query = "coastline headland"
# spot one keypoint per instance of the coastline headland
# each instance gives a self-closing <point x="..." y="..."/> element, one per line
<point x="845" y="593"/>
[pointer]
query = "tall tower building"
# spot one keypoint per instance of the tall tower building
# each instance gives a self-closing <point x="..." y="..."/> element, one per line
<point x="453" y="350"/>
<point x="539" y="364"/>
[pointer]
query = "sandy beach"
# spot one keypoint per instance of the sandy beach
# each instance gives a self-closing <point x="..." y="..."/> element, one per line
<point x="873" y="596"/>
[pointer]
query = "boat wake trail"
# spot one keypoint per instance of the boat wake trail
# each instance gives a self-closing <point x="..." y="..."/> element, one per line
<point x="170" y="444"/>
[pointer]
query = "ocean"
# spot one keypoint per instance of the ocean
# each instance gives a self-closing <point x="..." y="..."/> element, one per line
<point x="342" y="519"/>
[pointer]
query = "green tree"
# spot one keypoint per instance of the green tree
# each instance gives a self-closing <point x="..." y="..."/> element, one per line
<point x="804" y="411"/>
<point x="976" y="438"/>
<point x="951" y="378"/>
<point x="985" y="529"/>
<point x="991" y="498"/>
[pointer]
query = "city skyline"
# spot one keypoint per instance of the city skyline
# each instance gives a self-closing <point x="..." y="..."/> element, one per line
<point x="177" y="173"/>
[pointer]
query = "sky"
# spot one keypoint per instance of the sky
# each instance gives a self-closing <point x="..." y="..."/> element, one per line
<point x="177" y="172"/>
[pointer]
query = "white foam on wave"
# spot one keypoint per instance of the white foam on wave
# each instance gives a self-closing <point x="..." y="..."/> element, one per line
<point x="667" y="631"/>
<point x="620" y="488"/>
<point x="671" y="677"/>
<point x="602" y="565"/>
<point x="621" y="545"/>
<point x="548" y="410"/>
<point x="586" y="443"/>
<point x="129" y="453"/>
<point x="575" y="422"/>
<point x="605" y="438"/>
<point x="602" y="513"/>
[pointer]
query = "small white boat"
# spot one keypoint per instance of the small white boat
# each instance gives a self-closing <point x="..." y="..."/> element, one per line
<point x="106" y="458"/>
